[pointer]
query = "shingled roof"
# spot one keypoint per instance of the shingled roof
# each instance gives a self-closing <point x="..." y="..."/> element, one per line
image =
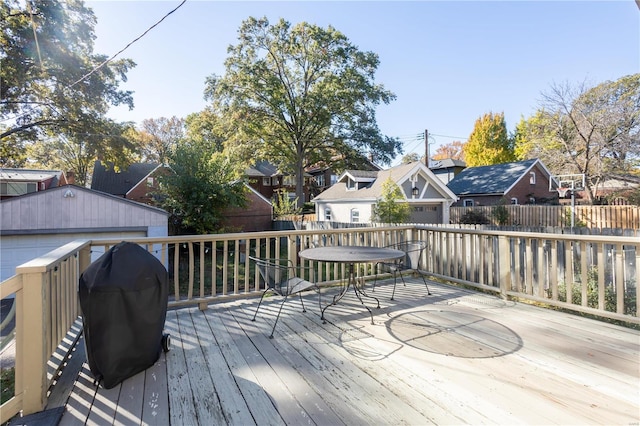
<point x="490" y="180"/>
<point x="106" y="179"/>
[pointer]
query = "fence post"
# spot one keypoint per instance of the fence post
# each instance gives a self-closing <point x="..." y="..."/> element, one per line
<point x="504" y="265"/>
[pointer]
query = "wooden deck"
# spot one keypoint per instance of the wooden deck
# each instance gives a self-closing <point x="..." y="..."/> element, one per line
<point x="456" y="357"/>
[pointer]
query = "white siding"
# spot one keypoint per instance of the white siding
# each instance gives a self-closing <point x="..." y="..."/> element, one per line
<point x="341" y="211"/>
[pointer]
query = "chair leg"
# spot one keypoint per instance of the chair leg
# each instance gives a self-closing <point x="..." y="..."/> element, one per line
<point x="301" y="301"/>
<point x="277" y="317"/>
<point x="395" y="280"/>
<point x="259" y="303"/>
<point x="425" y="284"/>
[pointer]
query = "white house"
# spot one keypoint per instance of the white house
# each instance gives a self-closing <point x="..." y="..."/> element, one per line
<point x="352" y="198"/>
<point x="34" y="224"/>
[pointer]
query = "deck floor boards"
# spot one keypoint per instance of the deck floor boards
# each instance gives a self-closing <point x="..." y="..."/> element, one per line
<point x="455" y="357"/>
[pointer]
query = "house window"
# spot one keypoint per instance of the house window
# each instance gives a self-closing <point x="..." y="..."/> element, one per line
<point x="514" y="201"/>
<point x="266" y="181"/>
<point x="275" y="181"/>
<point x="319" y="180"/>
<point x="17" y="188"/>
<point x="355" y="215"/>
<point x="327" y="214"/>
<point x="468" y="202"/>
<point x="289" y="181"/>
<point x="150" y="181"/>
<point x="532" y="178"/>
<point x="351" y="184"/>
<point x="334" y="179"/>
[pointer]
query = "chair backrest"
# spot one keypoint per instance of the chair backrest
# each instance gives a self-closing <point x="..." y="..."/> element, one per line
<point x="413" y="253"/>
<point x="274" y="272"/>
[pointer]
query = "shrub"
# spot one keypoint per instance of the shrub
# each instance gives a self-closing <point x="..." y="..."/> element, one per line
<point x="501" y="214"/>
<point x="592" y="294"/>
<point x="474" y="217"/>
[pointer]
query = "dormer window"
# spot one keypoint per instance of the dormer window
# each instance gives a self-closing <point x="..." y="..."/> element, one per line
<point x="351" y="184"/>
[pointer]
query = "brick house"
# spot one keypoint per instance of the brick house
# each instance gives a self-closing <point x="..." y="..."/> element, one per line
<point x="257" y="217"/>
<point x="140" y="180"/>
<point x="521" y="182"/>
<point x="136" y="183"/>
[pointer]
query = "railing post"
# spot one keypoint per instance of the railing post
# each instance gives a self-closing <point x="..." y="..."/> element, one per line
<point x="504" y="265"/>
<point x="84" y="259"/>
<point x="34" y="378"/>
<point x="292" y="250"/>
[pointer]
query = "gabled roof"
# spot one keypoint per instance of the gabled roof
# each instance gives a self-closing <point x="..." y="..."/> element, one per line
<point x="262" y="169"/>
<point x="491" y="180"/>
<point x="70" y="191"/>
<point x="399" y="174"/>
<point x="359" y="175"/>
<point x="31" y="175"/>
<point x="119" y="183"/>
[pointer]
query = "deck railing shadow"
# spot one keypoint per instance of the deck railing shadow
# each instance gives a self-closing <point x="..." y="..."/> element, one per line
<point x="594" y="275"/>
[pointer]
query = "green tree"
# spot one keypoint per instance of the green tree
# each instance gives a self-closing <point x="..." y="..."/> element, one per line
<point x="283" y="205"/>
<point x="298" y="95"/>
<point x="489" y="143"/>
<point x="205" y="126"/>
<point x="202" y="186"/>
<point x="593" y="131"/>
<point x="77" y="153"/>
<point x="50" y="83"/>
<point x="159" y="136"/>
<point x="392" y="207"/>
<point x="411" y="157"/>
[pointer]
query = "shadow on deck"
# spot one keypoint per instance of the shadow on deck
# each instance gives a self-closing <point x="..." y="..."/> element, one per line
<point x="454" y="357"/>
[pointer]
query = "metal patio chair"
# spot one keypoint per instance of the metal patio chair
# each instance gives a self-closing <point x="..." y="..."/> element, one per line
<point x="410" y="262"/>
<point x="280" y="278"/>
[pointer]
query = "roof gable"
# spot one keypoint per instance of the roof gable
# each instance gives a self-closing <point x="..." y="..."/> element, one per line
<point x="406" y="176"/>
<point x="119" y="183"/>
<point x="494" y="179"/>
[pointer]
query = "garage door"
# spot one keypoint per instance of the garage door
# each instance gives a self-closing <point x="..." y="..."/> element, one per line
<point x="18" y="249"/>
<point x="426" y="213"/>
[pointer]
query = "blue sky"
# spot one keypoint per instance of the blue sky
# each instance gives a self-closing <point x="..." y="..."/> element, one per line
<point x="448" y="62"/>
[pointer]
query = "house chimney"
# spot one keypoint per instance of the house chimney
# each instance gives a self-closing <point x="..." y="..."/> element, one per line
<point x="70" y="178"/>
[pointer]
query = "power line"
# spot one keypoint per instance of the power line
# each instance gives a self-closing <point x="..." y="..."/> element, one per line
<point x="450" y="137"/>
<point x="127" y="46"/>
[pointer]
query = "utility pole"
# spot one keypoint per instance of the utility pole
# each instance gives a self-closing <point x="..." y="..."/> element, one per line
<point x="426" y="147"/>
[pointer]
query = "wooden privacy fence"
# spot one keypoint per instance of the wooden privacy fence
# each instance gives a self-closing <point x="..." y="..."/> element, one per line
<point x="584" y="216"/>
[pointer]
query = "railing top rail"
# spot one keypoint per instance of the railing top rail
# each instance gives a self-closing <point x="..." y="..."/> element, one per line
<point x="47" y="261"/>
<point x="540" y="235"/>
<point x="253" y="235"/>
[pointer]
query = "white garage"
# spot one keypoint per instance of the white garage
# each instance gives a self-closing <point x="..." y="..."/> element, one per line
<point x="34" y="224"/>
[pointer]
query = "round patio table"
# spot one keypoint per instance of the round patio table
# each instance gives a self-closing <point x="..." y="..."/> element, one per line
<point x="350" y="255"/>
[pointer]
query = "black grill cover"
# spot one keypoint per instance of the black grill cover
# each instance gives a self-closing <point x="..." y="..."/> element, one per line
<point x="123" y="297"/>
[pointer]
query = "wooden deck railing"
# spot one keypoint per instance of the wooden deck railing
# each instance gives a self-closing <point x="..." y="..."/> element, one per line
<point x="590" y="274"/>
